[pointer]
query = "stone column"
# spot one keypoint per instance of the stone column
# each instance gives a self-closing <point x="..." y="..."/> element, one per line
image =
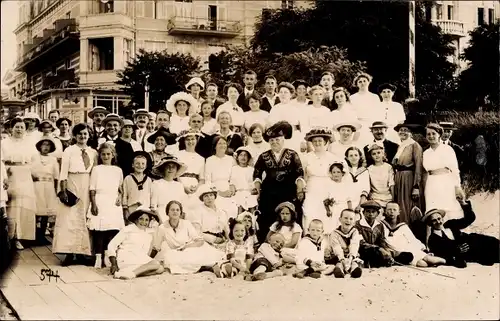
<point x="84" y="54"/>
<point x="118" y="53"/>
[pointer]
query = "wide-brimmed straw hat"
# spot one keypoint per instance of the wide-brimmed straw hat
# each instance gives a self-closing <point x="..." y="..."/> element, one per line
<point x="163" y="132"/>
<point x="138" y="213"/>
<point x="32" y="115"/>
<point x="190" y="132"/>
<point x="195" y="80"/>
<point x="391" y="87"/>
<point x="288" y="205"/>
<point x="378" y="124"/>
<point x="206" y="189"/>
<point x="98" y="109"/>
<point x="431" y="212"/>
<point x="354" y="125"/>
<point x="190" y="100"/>
<point x="46" y="121"/>
<point x="159" y="169"/>
<point x="281" y="128"/>
<point x="325" y="133"/>
<point x="112" y="117"/>
<point x="38" y="145"/>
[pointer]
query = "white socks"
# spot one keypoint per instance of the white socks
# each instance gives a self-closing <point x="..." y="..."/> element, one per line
<point x="98" y="261"/>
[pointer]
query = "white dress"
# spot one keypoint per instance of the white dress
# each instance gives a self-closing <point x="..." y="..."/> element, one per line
<point x="346" y="113"/>
<point x="314" y="117"/>
<point x="255" y="117"/>
<point x="189" y="260"/>
<point x="440" y="189"/>
<point x="340" y="193"/>
<point x="286" y="231"/>
<point x="360" y="184"/>
<point x="368" y="109"/>
<point x="394" y="114"/>
<point x="131" y="247"/>
<point x="218" y="174"/>
<point x="106" y="180"/>
<point x="164" y="192"/>
<point x="257" y="149"/>
<point x="195" y="171"/>
<point x="242" y="179"/>
<point x="288" y="112"/>
<point x="178" y="124"/>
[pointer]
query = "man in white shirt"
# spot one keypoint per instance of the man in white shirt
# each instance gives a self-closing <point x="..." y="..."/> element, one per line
<point x="249" y="79"/>
<point x="141" y="118"/>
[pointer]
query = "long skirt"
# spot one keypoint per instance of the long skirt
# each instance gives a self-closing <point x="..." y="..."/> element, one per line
<point x="191" y="259"/>
<point x="47" y="203"/>
<point x="21" y="207"/>
<point x="71" y="234"/>
<point x="440" y="194"/>
<point x="403" y="187"/>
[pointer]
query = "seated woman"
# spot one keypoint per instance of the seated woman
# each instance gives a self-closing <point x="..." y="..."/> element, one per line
<point x="181" y="247"/>
<point x="129" y="250"/>
<point x="456" y="247"/>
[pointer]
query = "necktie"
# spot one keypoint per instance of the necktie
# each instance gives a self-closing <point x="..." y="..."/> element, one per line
<point x="86" y="158"/>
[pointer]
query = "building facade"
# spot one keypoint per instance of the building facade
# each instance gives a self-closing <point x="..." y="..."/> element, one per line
<point x="69" y="52"/>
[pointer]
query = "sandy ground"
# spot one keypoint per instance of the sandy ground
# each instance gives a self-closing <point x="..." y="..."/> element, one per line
<point x="397" y="293"/>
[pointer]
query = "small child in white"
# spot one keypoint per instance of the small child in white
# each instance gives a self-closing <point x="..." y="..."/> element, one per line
<point x="239" y="251"/>
<point x="310" y="257"/>
<point x="138" y="186"/>
<point x="242" y="179"/>
<point x="344" y="242"/>
<point x="381" y="176"/>
<point x="267" y="259"/>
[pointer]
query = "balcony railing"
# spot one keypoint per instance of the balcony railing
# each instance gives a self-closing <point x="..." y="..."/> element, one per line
<point x="452" y="27"/>
<point x="203" y="27"/>
<point x="64" y="29"/>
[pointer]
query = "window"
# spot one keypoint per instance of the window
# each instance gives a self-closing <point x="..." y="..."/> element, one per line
<point x="480" y="16"/>
<point x="439" y="11"/>
<point x="491" y="16"/>
<point x="212" y="17"/>
<point x="286" y="4"/>
<point x="149" y="9"/>
<point x="127" y="50"/>
<point x="450" y="13"/>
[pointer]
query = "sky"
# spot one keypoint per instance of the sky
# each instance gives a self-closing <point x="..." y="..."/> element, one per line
<point x="8" y="39"/>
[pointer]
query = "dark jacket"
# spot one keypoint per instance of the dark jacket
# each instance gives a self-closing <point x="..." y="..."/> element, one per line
<point x="243" y="101"/>
<point x="266" y="105"/>
<point x="390" y="151"/>
<point x="125" y="156"/>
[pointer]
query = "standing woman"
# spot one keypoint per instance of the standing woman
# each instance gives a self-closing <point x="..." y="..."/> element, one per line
<point x="393" y="111"/>
<point x="32" y="121"/>
<point x="344" y="111"/>
<point x="442" y="186"/>
<point x="407" y="164"/>
<point x="18" y="153"/>
<point x="71" y="236"/>
<point x="256" y="144"/>
<point x="283" y="179"/>
<point x="301" y="93"/>
<point x="195" y="86"/>
<point x="182" y="106"/>
<point x="64" y="126"/>
<point x="315" y="115"/>
<point x="234" y="139"/>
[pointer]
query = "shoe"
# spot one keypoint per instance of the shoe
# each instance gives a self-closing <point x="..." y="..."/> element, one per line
<point x="68" y="260"/>
<point x="338" y="273"/>
<point x="314" y="275"/>
<point x="404" y="258"/>
<point x="459" y="263"/>
<point x="356" y="273"/>
<point x="299" y="275"/>
<point x="259" y="276"/>
<point x="107" y="262"/>
<point x="19" y="246"/>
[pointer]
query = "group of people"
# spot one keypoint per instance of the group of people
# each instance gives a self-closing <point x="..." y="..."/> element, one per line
<point x="305" y="176"/>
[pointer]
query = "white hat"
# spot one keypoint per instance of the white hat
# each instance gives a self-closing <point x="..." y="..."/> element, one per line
<point x="206" y="189"/>
<point x="31" y="115"/>
<point x="196" y="80"/>
<point x="172" y="101"/>
<point x="354" y="125"/>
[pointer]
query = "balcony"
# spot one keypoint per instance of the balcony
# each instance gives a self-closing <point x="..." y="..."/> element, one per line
<point x="203" y="27"/>
<point x="105" y="21"/>
<point x="101" y="77"/>
<point x="57" y="44"/>
<point x="63" y="79"/>
<point x="451" y="27"/>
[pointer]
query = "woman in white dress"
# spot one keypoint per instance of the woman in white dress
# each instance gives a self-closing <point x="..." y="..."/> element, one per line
<point x="346" y="132"/>
<point x="18" y="153"/>
<point x="316" y="165"/>
<point x="32" y="121"/>
<point x="367" y="105"/>
<point x="256" y="143"/>
<point x="345" y="111"/>
<point x="315" y="115"/>
<point x="181" y="105"/>
<point x="231" y="106"/>
<point x="218" y="173"/>
<point x="442" y="186"/>
<point x="71" y="236"/>
<point x="288" y="111"/>
<point x="167" y="189"/>
<point x="255" y="115"/>
<point x="181" y="247"/>
<point x="393" y="111"/>
<point x="129" y="251"/>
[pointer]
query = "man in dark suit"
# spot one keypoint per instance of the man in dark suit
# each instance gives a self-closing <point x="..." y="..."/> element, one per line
<point x="327" y="81"/>
<point x="249" y="79"/>
<point x="97" y="114"/>
<point x="379" y="130"/>
<point x="448" y="129"/>
<point x="212" y="92"/>
<point x="270" y="98"/>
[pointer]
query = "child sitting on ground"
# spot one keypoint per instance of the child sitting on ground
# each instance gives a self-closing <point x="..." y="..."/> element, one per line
<point x="267" y="259"/>
<point x="239" y="251"/>
<point x="400" y="238"/>
<point x="249" y="220"/>
<point x="310" y="257"/>
<point x="287" y="226"/>
<point x="344" y="242"/>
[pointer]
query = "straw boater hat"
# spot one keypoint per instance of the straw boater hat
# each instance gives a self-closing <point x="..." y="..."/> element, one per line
<point x="391" y="87"/>
<point x="138" y="213"/>
<point x="159" y="169"/>
<point x="431" y="212"/>
<point x="141" y="111"/>
<point x="46" y="121"/>
<point x="288" y="205"/>
<point x="190" y="132"/>
<point x="128" y="122"/>
<point x="152" y="115"/>
<point x="354" y="125"/>
<point x="206" y="189"/>
<point x="46" y="139"/>
<point x="98" y="109"/>
<point x="169" y="137"/>
<point x="371" y="204"/>
<point x="378" y="124"/>
<point x="447" y="125"/>
<point x="32" y="115"/>
<point x="281" y="128"/>
<point x="325" y="133"/>
<point x="195" y="80"/>
<point x="190" y="100"/>
<point x="411" y="127"/>
<point x="112" y="117"/>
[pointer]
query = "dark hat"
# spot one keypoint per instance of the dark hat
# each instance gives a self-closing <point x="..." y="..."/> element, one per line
<point x="281" y="128"/>
<point x="431" y="212"/>
<point x="386" y="86"/>
<point x="45" y="139"/>
<point x="169" y="137"/>
<point x="378" y="124"/>
<point x="371" y="204"/>
<point x="60" y="120"/>
<point x="288" y="205"/>
<point x="319" y="132"/>
<point x="138" y="213"/>
<point x="72" y="198"/>
<point x="149" y="160"/>
<point x="411" y="127"/>
<point x="447" y="125"/>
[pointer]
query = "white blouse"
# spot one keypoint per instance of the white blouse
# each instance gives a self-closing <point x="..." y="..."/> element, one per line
<point x="256" y="117"/>
<point x="257" y="149"/>
<point x="315" y="117"/>
<point x="442" y="157"/>
<point x="130" y="240"/>
<point x="178" y="124"/>
<point x="394" y="113"/>
<point x="218" y="171"/>
<point x="164" y="192"/>
<point x="17" y="150"/>
<point x="106" y="179"/>
<point x="367" y="106"/>
<point x="209" y="127"/>
<point x="72" y="161"/>
<point x="237" y="114"/>
<point x="284" y="111"/>
<point x="195" y="165"/>
<point x="183" y="234"/>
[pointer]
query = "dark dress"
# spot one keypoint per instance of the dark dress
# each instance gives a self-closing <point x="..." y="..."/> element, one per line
<point x="390" y="149"/>
<point x="278" y="186"/>
<point x="125" y="156"/>
<point x="483" y="249"/>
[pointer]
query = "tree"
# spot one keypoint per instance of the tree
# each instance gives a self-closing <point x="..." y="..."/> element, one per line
<point x="479" y="82"/>
<point x="372" y="31"/>
<point x="166" y="74"/>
